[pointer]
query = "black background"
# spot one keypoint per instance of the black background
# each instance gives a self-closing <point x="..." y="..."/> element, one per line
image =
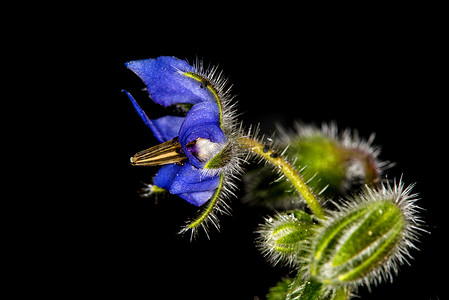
<point x="100" y="239"/>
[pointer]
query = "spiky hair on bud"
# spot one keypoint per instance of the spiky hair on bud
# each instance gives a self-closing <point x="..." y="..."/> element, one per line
<point x="360" y="156"/>
<point x="365" y="240"/>
<point x="284" y="238"/>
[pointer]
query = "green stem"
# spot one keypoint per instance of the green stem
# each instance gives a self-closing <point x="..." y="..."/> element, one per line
<point x="289" y="172"/>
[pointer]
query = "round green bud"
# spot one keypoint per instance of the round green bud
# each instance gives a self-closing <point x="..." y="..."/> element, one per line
<point x="284" y="237"/>
<point x="334" y="163"/>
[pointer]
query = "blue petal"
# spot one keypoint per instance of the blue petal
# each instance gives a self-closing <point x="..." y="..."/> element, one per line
<point x="165" y="176"/>
<point x="202" y="121"/>
<point x="165" y="82"/>
<point x="198" y="198"/>
<point x="140" y="111"/>
<point x="187" y="182"/>
<point x="165" y="128"/>
<point x="190" y="179"/>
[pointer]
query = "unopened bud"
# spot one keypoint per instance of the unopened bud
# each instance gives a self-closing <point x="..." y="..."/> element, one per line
<point x="334" y="162"/>
<point x="365" y="240"/>
<point x="284" y="238"/>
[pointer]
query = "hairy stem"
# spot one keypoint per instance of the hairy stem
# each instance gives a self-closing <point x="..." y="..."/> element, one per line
<point x="289" y="172"/>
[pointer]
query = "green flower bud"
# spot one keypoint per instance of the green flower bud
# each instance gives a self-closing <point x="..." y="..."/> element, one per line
<point x="334" y="162"/>
<point x="366" y="239"/>
<point x="284" y="238"/>
<point x="331" y="163"/>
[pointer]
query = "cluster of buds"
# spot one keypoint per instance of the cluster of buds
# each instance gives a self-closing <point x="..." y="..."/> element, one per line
<point x="345" y="226"/>
<point x="362" y="242"/>
<point x="368" y="227"/>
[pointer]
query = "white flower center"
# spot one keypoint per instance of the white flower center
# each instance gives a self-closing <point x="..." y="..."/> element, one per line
<point x="205" y="149"/>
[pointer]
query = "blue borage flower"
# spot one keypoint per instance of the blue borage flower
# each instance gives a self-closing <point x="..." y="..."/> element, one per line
<point x="199" y="151"/>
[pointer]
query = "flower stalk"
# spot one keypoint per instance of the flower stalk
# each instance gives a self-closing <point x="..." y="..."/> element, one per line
<point x="287" y="169"/>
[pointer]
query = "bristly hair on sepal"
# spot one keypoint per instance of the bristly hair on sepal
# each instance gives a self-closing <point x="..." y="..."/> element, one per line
<point x="151" y="190"/>
<point x="229" y="159"/>
<point x="214" y="79"/>
<point x="285" y="237"/>
<point x="209" y="213"/>
<point x="228" y="162"/>
<point x="365" y="240"/>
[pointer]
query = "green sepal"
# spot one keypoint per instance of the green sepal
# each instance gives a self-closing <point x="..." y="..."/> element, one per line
<point x="157" y="189"/>
<point x="356" y="243"/>
<point x="290" y="235"/>
<point x="323" y="162"/>
<point x="303" y="289"/>
<point x="221" y="159"/>
<point x="151" y="189"/>
<point x="280" y="290"/>
<point x="285" y="237"/>
<point x="206" y="214"/>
